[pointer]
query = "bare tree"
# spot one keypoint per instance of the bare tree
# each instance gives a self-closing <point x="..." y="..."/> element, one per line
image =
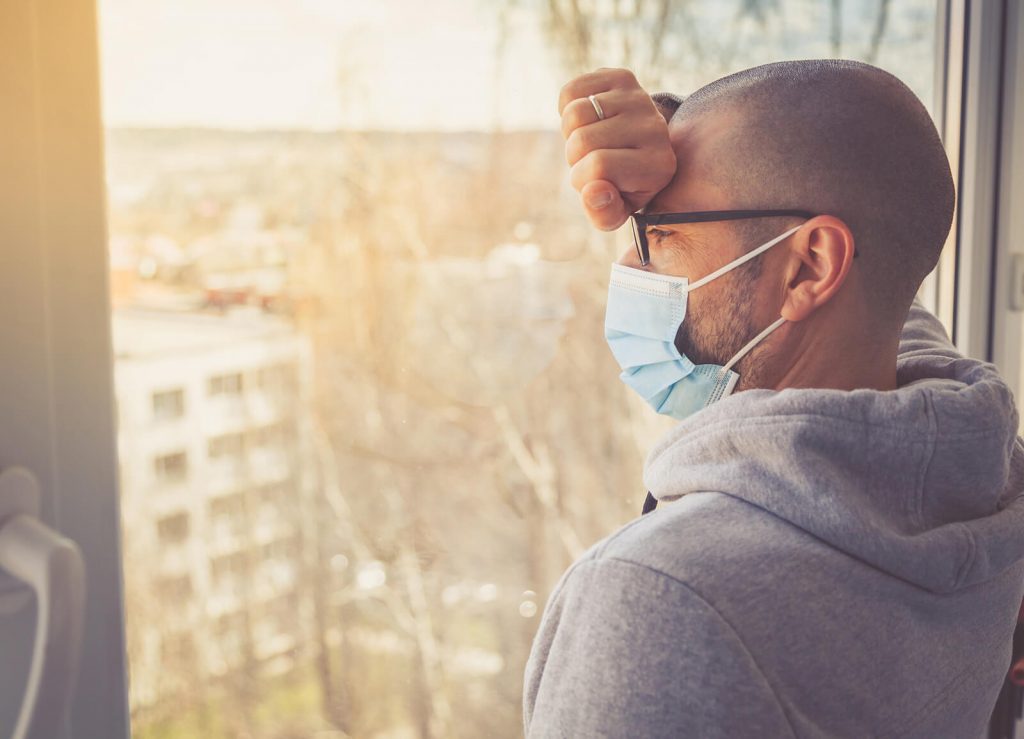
<point x="672" y="44"/>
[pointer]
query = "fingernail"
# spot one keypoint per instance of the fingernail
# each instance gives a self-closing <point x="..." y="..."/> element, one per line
<point x="599" y="200"/>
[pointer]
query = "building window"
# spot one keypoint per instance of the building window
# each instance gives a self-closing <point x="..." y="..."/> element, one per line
<point x="174" y="589"/>
<point x="277" y="378"/>
<point x="226" y="569"/>
<point x="286" y="548"/>
<point x="229" y="385"/>
<point x="171" y="467"/>
<point x="228" y="506"/>
<point x="226" y="447"/>
<point x="230" y="624"/>
<point x="272" y="435"/>
<point x="274" y="496"/>
<point x="178" y="648"/>
<point x="173" y="529"/>
<point x="168" y="404"/>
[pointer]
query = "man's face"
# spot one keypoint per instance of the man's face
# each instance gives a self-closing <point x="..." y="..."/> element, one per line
<point x="726" y="313"/>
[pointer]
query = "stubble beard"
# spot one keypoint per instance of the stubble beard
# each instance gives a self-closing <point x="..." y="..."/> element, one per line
<point x="724" y="326"/>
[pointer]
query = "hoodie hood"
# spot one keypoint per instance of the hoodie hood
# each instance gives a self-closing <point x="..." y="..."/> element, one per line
<point x="923" y="482"/>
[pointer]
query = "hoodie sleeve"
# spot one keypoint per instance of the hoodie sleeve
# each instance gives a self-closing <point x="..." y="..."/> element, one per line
<point x="624" y="650"/>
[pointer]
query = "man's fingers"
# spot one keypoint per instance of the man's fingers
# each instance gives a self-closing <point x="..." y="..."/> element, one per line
<point x="603" y="205"/>
<point x="603" y="135"/>
<point x="626" y="132"/>
<point x="601" y="80"/>
<point x="628" y="170"/>
<point x="619" y="160"/>
<point x="580" y="112"/>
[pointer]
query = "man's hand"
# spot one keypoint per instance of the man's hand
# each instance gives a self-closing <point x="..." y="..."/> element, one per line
<point x="620" y="163"/>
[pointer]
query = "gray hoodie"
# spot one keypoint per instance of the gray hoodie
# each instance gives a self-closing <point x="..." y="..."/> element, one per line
<point x="822" y="563"/>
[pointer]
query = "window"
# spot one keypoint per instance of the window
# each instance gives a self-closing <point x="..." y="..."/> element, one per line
<point x="273" y="435"/>
<point x="228" y="568"/>
<point x="424" y="356"/>
<point x="173" y="529"/>
<point x="169" y="404"/>
<point x="178" y="648"/>
<point x="285" y="548"/>
<point x="171" y="467"/>
<point x="230" y="447"/>
<point x="420" y="386"/>
<point x="209" y="211"/>
<point x="175" y="589"/>
<point x="232" y="636"/>
<point x="1007" y="329"/>
<point x="278" y="378"/>
<point x="226" y="385"/>
<point x="228" y="506"/>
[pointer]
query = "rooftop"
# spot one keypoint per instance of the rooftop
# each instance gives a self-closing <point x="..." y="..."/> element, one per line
<point x="141" y="332"/>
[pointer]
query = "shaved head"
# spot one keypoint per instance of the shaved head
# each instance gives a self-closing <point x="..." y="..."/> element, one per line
<point x="835" y="137"/>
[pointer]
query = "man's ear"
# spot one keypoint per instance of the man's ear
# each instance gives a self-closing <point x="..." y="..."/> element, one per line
<point x="819" y="259"/>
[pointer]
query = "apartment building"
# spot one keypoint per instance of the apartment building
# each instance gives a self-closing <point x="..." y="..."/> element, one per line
<point x="210" y="440"/>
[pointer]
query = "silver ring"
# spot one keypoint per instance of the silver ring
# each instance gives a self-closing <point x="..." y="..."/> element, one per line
<point x="597" y="107"/>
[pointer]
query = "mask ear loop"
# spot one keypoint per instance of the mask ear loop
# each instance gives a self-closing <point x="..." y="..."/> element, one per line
<point x="752" y="343"/>
<point x="726" y="380"/>
<point x="724" y="372"/>
<point x="742" y="260"/>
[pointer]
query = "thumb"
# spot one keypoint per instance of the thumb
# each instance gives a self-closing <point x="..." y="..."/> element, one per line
<point x="603" y="205"/>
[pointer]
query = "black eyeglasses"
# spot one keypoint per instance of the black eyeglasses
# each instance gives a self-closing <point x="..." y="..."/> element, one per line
<point x="641" y="221"/>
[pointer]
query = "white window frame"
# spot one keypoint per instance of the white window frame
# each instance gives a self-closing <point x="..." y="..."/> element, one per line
<point x="980" y="114"/>
<point x="1008" y="317"/>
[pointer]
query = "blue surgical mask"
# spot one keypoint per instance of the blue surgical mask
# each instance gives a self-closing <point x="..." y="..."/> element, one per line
<point x="644" y="313"/>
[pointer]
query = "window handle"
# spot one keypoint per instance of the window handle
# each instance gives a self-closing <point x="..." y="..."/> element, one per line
<point x="52" y="566"/>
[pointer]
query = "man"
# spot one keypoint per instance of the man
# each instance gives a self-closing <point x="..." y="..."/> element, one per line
<point x="839" y="545"/>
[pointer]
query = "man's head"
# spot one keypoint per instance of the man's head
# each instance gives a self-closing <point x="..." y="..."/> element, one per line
<point x="839" y="138"/>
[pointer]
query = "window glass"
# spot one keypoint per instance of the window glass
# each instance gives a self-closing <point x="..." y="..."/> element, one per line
<point x="173" y="529"/>
<point x="227" y="446"/>
<point x="168" y="404"/>
<point x="345" y="233"/>
<point x="171" y="467"/>
<point x="226" y="384"/>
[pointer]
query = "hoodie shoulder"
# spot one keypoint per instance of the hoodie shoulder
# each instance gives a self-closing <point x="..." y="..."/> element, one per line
<point x="624" y="646"/>
<point x="629" y="638"/>
<point x="704" y="535"/>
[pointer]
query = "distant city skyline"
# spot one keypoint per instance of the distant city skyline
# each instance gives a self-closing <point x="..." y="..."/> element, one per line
<point x="323" y="64"/>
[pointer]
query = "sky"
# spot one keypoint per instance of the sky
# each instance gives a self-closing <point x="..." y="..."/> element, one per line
<point x="424" y="64"/>
<point x="323" y="64"/>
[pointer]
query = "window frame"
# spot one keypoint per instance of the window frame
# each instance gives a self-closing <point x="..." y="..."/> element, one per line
<point x="1007" y="327"/>
<point x="979" y="31"/>
<point x="161" y="405"/>
<point x="57" y="412"/>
